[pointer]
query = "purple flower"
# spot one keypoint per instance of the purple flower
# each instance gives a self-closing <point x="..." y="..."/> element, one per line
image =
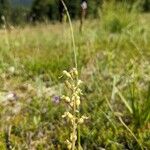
<point x="56" y="99"/>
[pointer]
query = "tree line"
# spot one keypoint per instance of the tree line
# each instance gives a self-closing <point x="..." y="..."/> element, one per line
<point x="42" y="10"/>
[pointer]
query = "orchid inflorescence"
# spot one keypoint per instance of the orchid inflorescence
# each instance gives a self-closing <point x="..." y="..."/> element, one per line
<point x="73" y="101"/>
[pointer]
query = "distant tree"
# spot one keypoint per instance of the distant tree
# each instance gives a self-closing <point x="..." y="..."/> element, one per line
<point x="61" y="10"/>
<point x="19" y="15"/>
<point x="5" y="10"/>
<point x="74" y="8"/>
<point x="53" y="12"/>
<point x="40" y="10"/>
<point x="146" y="5"/>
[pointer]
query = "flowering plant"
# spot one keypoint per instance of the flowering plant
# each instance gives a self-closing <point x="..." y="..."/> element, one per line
<point x="73" y="101"/>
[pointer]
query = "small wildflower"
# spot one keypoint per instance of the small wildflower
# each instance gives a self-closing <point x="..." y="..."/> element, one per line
<point x="11" y="97"/>
<point x="56" y="99"/>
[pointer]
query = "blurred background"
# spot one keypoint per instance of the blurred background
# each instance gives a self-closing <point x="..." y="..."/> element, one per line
<point x="19" y="12"/>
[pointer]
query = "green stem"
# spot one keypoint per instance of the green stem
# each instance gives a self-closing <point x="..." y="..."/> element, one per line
<point x="74" y="126"/>
<point x="78" y="137"/>
<point x="72" y="34"/>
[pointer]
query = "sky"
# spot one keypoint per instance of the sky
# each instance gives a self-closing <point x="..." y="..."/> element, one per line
<point x="22" y="2"/>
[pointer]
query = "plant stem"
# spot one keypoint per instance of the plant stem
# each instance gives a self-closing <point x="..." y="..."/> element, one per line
<point x="74" y="123"/>
<point x="72" y="34"/>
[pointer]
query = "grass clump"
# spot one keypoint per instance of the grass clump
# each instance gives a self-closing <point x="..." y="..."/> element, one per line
<point x="116" y="17"/>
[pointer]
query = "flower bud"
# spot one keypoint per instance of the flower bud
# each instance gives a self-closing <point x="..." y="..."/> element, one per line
<point x="79" y="91"/>
<point x="71" y="104"/>
<point x="64" y="115"/>
<point x="70" y="116"/>
<point x="65" y="98"/>
<point x="79" y="82"/>
<point x="75" y="71"/>
<point x="73" y="137"/>
<point x="75" y="97"/>
<point x="81" y="120"/>
<point x="78" y="102"/>
<point x="68" y="85"/>
<point x="3" y="18"/>
<point x="69" y="145"/>
<point x="85" y="117"/>
<point x="67" y="74"/>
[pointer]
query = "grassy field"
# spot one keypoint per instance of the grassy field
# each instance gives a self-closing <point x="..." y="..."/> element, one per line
<point x="114" y="63"/>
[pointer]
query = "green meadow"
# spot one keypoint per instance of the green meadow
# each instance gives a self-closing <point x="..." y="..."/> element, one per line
<point x="113" y="55"/>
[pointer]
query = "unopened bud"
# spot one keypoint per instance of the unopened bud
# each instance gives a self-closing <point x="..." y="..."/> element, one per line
<point x="79" y="91"/>
<point x="70" y="116"/>
<point x="64" y="115"/>
<point x="67" y="74"/>
<point x="69" y="145"/>
<point x="65" y="98"/>
<point x="78" y="102"/>
<point x="71" y="104"/>
<point x="81" y="120"/>
<point x="75" y="71"/>
<point x="84" y="117"/>
<point x="73" y="137"/>
<point x="3" y="18"/>
<point x="79" y="82"/>
<point x="68" y="85"/>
